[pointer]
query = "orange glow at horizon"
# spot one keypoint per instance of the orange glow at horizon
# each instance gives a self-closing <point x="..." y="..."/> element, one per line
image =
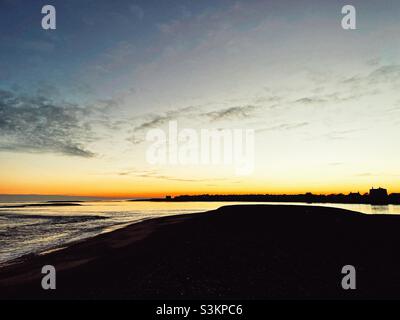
<point x="52" y="175"/>
<point x="146" y="191"/>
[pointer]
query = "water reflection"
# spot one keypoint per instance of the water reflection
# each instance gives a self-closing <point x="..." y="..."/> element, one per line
<point x="380" y="209"/>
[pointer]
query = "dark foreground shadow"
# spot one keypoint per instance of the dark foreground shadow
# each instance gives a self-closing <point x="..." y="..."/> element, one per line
<point x="235" y="252"/>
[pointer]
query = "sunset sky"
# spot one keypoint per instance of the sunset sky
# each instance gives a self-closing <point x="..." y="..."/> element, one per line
<point x="76" y="102"/>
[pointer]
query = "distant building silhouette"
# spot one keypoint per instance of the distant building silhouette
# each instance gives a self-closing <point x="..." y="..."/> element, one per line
<point x="309" y="197"/>
<point x="355" y="197"/>
<point x="375" y="196"/>
<point x="394" y="198"/>
<point x="378" y="196"/>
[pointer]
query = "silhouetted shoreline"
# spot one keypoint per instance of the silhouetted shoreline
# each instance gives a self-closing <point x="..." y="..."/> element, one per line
<point x="352" y="198"/>
<point x="234" y="252"/>
<point x="49" y="204"/>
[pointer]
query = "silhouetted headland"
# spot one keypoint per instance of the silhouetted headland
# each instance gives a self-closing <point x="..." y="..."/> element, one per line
<point x="49" y="204"/>
<point x="240" y="251"/>
<point x="375" y="196"/>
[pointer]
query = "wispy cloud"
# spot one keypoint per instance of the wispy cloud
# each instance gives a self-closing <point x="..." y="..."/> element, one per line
<point x="385" y="73"/>
<point x="157" y="175"/>
<point x="382" y="74"/>
<point x="335" y="164"/>
<point x="232" y="113"/>
<point x="156" y="120"/>
<point x="38" y="124"/>
<point x="284" y="126"/>
<point x="340" y="134"/>
<point x="364" y="174"/>
<point x="150" y="121"/>
<point x="310" y="100"/>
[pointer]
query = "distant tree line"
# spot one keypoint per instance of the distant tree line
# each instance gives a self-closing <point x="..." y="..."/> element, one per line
<point x="367" y="198"/>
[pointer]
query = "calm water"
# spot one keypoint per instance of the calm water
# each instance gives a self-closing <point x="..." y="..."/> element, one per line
<point x="37" y="229"/>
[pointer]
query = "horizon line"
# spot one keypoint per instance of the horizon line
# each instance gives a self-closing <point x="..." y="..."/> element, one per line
<point x="176" y="195"/>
